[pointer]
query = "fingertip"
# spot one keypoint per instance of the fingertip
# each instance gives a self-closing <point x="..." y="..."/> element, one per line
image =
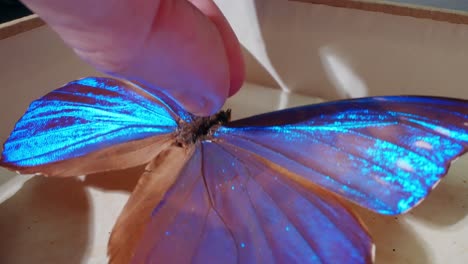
<point x="237" y="71"/>
<point x="231" y="43"/>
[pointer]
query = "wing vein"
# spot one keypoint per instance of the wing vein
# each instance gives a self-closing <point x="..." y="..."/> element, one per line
<point x="416" y="123"/>
<point x="361" y="194"/>
<point x="77" y="142"/>
<point x="122" y="95"/>
<point x="213" y="207"/>
<point x="249" y="177"/>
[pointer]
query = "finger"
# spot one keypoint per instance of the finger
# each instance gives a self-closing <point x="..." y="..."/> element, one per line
<point x="168" y="44"/>
<point x="231" y="43"/>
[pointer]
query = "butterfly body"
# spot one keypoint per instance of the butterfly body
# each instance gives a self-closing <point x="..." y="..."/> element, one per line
<point x="264" y="189"/>
<point x="201" y="128"/>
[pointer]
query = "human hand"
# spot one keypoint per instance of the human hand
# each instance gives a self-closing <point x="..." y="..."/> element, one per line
<point x="185" y="47"/>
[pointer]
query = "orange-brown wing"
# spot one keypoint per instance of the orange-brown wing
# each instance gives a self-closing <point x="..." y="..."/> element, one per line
<point x="159" y="176"/>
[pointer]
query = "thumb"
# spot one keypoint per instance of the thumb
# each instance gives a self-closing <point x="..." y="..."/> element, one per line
<point x="164" y="44"/>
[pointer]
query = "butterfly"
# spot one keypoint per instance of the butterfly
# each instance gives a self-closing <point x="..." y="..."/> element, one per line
<point x="270" y="188"/>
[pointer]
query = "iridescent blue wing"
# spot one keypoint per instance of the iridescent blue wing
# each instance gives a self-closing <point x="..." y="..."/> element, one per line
<point x="92" y="118"/>
<point x="228" y="206"/>
<point x="383" y="153"/>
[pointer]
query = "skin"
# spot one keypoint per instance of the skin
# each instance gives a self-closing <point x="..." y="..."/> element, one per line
<point x="185" y="47"/>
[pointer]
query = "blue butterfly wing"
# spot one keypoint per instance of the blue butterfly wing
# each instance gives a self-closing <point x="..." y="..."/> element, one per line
<point x="86" y="116"/>
<point x="227" y="206"/>
<point x="383" y="153"/>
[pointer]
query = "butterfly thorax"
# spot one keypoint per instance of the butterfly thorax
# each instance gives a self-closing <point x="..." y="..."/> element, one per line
<point x="201" y="128"/>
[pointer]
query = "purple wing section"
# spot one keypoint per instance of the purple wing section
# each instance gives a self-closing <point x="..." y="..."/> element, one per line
<point x="85" y="116"/>
<point x="228" y="207"/>
<point x="180" y="220"/>
<point x="384" y="153"/>
<point x="275" y="220"/>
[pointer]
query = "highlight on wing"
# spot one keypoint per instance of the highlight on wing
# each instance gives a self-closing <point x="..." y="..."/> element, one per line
<point x="271" y="188"/>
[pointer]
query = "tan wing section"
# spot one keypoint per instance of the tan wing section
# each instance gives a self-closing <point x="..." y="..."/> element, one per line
<point x="160" y="175"/>
<point x="123" y="156"/>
